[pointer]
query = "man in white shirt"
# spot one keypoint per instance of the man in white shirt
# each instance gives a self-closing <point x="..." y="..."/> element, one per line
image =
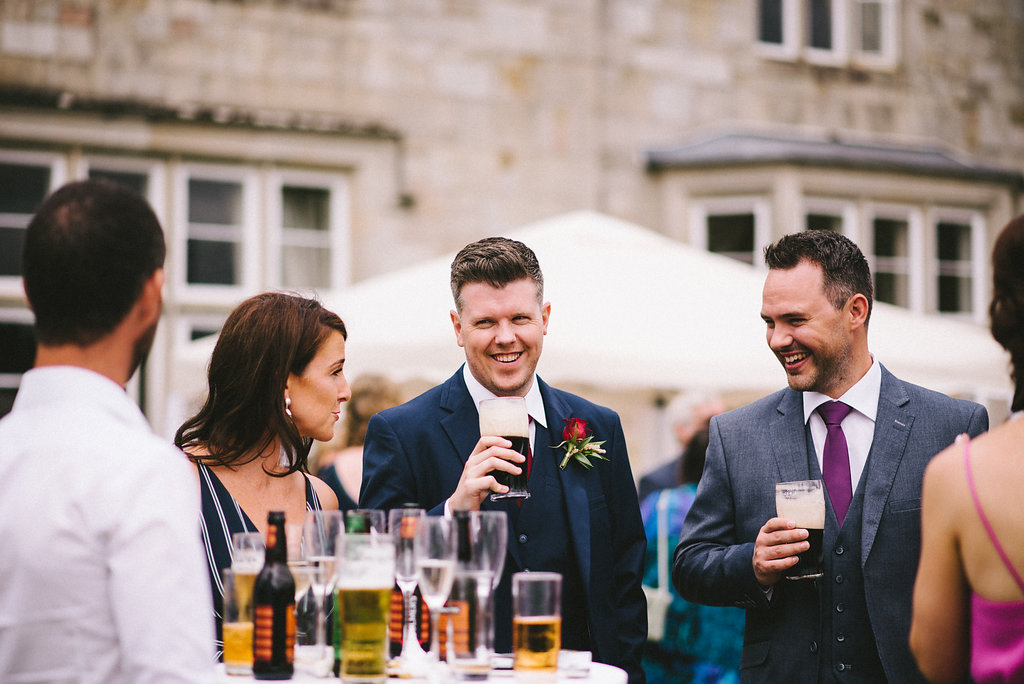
<point x="850" y="624"/>
<point x="103" y="574"/>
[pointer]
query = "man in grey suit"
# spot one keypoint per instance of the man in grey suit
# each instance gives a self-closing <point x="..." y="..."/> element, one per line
<point x="851" y="624"/>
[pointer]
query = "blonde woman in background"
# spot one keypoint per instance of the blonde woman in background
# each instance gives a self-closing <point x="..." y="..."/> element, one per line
<point x="340" y="462"/>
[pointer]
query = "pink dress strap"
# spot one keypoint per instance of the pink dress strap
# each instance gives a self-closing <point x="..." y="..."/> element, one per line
<point x="984" y="519"/>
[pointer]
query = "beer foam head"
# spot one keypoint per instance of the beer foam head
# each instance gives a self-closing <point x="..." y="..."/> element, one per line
<point x="504" y="417"/>
<point x="804" y="505"/>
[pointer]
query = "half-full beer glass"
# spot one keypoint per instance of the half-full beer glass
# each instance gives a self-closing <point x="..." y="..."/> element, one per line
<point x="803" y="502"/>
<point x="536" y="620"/>
<point x="507" y="417"/>
<point x="365" y="577"/>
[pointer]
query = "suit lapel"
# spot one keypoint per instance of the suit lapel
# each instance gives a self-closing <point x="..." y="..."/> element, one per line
<point x="461" y="424"/>
<point x="892" y="429"/>
<point x="788" y="438"/>
<point x="574" y="481"/>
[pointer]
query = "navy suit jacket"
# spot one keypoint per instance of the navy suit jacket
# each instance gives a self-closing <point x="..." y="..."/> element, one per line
<point x="766" y="442"/>
<point x="416" y="452"/>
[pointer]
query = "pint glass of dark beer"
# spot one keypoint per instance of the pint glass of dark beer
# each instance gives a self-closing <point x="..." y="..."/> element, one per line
<point x="507" y="417"/>
<point x="803" y="502"/>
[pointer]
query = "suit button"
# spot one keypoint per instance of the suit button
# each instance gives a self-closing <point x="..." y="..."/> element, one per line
<point x="839" y="579"/>
<point x="840" y="637"/>
<point x="522" y="538"/>
<point x="841" y="667"/>
<point x="840" y="607"/>
<point x="840" y="550"/>
<point x="814" y="647"/>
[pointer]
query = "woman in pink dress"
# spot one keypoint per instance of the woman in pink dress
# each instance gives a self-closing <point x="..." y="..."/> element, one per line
<point x="969" y="595"/>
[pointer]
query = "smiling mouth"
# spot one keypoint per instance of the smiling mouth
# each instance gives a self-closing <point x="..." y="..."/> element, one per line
<point x="790" y="359"/>
<point x="507" y="358"/>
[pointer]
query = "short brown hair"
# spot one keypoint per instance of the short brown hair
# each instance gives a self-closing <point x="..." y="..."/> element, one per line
<point x="496" y="261"/>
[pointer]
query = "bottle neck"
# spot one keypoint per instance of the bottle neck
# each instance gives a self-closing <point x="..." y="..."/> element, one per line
<point x="277" y="544"/>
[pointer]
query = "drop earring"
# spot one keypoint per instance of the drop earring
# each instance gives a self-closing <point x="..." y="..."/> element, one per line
<point x="288" y="406"/>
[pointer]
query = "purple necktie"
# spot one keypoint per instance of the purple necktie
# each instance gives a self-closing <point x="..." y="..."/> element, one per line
<point x="836" y="460"/>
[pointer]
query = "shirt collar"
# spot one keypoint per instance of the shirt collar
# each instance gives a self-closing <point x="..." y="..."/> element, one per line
<point x="862" y="397"/>
<point x="534" y="401"/>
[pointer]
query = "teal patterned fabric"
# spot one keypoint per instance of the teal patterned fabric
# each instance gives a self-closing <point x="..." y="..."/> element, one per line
<point x="702" y="644"/>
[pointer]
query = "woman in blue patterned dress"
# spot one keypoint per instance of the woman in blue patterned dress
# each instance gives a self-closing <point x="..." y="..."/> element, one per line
<point x="701" y="644"/>
<point x="276" y="382"/>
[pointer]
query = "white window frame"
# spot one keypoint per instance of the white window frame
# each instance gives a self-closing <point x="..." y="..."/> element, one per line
<point x="11" y="286"/>
<point x="916" y="286"/>
<point x="759" y="206"/>
<point x="846" y="35"/>
<point x="844" y="209"/>
<point x="978" y="265"/>
<point x="252" y="217"/>
<point x="339" y="223"/>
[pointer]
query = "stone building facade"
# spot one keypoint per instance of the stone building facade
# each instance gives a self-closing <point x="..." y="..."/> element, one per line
<point x="315" y="143"/>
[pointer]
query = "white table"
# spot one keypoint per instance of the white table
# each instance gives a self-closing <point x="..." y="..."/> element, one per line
<point x="599" y="674"/>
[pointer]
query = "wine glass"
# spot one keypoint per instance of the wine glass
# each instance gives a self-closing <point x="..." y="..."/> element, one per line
<point x="434" y="551"/>
<point x="402" y="522"/>
<point x="319" y="548"/>
<point x="488" y="536"/>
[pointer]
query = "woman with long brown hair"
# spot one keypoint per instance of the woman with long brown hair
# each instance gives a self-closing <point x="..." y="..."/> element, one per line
<point x="276" y="382"/>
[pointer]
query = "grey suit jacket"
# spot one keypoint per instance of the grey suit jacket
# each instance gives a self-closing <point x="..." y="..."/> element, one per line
<point x="766" y="442"/>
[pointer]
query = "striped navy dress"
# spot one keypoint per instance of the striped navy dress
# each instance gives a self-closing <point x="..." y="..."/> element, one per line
<point x="222" y="517"/>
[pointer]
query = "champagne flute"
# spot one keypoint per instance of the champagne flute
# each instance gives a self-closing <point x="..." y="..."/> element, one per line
<point x="434" y="550"/>
<point x="319" y="548"/>
<point x="402" y="522"/>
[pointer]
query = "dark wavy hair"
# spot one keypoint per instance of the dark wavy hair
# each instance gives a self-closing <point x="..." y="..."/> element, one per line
<point x="1006" y="312"/>
<point x="845" y="269"/>
<point x="496" y="261"/>
<point x="264" y="339"/>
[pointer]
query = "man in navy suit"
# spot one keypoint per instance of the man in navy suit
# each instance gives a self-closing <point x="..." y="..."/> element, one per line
<point x="852" y="623"/>
<point x="583" y="523"/>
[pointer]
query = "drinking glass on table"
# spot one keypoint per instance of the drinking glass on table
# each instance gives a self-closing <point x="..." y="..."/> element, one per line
<point x="248" y="553"/>
<point x="536" y="620"/>
<point x="480" y="556"/>
<point x="402" y="523"/>
<point x="366" y="576"/>
<point x="238" y="625"/>
<point x="507" y="417"/>
<point x="320" y="533"/>
<point x="434" y="551"/>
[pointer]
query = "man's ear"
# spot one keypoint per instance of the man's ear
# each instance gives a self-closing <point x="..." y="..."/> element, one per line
<point x="457" y="324"/>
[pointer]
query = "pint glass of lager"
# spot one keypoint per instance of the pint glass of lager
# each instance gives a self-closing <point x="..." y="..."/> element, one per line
<point x="237" y="612"/>
<point x="365" y="577"/>
<point x="536" y="620"/>
<point x="507" y="417"/>
<point x="803" y="502"/>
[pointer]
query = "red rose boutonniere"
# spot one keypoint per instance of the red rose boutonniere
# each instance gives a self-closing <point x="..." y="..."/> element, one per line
<point x="579" y="444"/>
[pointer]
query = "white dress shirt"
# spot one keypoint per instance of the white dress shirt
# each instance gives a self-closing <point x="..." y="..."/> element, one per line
<point x="859" y="424"/>
<point x="102" y="578"/>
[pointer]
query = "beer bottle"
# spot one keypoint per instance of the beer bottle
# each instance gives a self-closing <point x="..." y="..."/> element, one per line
<point x="273" y="598"/>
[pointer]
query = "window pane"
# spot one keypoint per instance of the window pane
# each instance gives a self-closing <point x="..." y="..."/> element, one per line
<point x="732" y="235"/>
<point x="211" y="262"/>
<point x="303" y="267"/>
<point x="770" y="22"/>
<point x="953" y="247"/>
<point x="870" y="25"/>
<point x="305" y="208"/>
<point x="819" y="24"/>
<point x="22" y="188"/>
<point x="825" y="222"/>
<point x="892" y="283"/>
<point x="214" y="202"/>
<point x="11" y="242"/>
<point x="136" y="181"/>
<point x="19" y="344"/>
<point x="214" y="245"/>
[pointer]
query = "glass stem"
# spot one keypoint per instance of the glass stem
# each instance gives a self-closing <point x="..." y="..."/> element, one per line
<point x="409" y="631"/>
<point x="435" y="642"/>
